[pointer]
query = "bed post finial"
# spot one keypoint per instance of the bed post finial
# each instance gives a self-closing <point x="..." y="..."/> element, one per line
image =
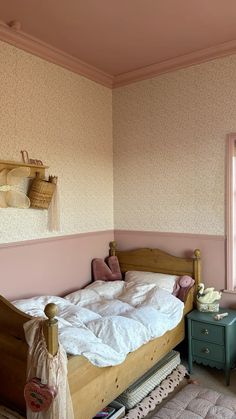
<point x="51" y="328"/>
<point x="112" y="245"/>
<point x="197" y="268"/>
<point x="197" y="253"/>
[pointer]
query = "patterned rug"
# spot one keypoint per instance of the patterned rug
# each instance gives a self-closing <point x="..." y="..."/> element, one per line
<point x="149" y="404"/>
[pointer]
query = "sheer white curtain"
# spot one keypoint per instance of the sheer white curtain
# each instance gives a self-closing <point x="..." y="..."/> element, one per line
<point x="231" y="212"/>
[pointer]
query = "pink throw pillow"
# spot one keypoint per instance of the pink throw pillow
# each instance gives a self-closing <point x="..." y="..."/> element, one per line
<point x="109" y="271"/>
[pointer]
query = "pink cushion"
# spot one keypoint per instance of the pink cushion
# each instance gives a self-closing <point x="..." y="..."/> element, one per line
<point x="106" y="271"/>
<point x="195" y="401"/>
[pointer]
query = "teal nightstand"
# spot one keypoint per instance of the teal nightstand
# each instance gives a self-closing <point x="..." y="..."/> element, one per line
<point x="212" y="342"/>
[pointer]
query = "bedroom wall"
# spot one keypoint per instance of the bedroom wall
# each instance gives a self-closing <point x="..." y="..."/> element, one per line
<point x="65" y="120"/>
<point x="169" y="175"/>
<point x="169" y="161"/>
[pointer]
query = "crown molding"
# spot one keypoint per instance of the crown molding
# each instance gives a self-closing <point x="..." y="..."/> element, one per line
<point x="14" y="36"/>
<point x="183" y="61"/>
<point x="34" y="46"/>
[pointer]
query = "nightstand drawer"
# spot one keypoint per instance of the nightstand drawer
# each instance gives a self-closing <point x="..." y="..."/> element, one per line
<point x="208" y="351"/>
<point x="208" y="332"/>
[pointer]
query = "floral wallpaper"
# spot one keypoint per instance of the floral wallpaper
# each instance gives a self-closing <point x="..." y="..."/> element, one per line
<point x="169" y="137"/>
<point x="65" y="120"/>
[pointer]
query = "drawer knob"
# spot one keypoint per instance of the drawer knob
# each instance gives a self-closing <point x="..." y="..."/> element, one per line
<point x="205" y="332"/>
<point x="205" y="350"/>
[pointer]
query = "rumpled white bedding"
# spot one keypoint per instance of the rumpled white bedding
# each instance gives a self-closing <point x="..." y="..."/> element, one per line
<point x="107" y="320"/>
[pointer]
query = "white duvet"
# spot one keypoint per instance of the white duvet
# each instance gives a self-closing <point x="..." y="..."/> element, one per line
<point x="107" y="320"/>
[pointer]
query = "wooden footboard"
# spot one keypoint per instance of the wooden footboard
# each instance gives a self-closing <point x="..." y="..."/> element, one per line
<point x="93" y="388"/>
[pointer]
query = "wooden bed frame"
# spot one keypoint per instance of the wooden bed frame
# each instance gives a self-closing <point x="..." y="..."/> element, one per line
<point x="92" y="387"/>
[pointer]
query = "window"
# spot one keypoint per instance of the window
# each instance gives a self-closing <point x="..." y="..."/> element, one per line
<point x="231" y="212"/>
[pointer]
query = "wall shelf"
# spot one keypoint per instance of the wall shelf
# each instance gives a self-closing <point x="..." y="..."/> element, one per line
<point x="6" y="164"/>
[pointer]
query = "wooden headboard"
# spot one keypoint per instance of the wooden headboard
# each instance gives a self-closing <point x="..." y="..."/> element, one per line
<point x="155" y="260"/>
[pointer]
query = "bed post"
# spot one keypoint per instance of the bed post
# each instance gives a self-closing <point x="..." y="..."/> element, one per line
<point x="197" y="269"/>
<point x="50" y="328"/>
<point x="113" y="246"/>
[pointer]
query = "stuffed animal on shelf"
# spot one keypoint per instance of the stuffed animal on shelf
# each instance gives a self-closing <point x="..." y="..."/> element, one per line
<point x="208" y="295"/>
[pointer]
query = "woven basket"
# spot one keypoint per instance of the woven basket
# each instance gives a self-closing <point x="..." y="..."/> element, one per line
<point x="41" y="192"/>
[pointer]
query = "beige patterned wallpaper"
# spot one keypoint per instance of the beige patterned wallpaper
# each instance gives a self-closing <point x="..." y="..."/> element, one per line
<point x="169" y="149"/>
<point x="64" y="120"/>
<point x="169" y="146"/>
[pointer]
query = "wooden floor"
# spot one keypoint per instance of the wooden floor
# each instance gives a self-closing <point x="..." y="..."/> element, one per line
<point x="214" y="379"/>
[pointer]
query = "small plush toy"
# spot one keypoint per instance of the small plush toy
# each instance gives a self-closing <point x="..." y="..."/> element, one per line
<point x="186" y="281"/>
<point x="182" y="286"/>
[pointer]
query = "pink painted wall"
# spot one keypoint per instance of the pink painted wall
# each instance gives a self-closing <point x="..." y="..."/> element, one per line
<point x="59" y="265"/>
<point x="50" y="266"/>
<point x="212" y="253"/>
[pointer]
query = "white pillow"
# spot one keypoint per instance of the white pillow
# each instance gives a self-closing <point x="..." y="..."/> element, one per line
<point x="164" y="281"/>
<point x="83" y="297"/>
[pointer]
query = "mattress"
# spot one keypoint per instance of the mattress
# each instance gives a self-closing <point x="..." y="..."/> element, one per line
<point x="144" y="385"/>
